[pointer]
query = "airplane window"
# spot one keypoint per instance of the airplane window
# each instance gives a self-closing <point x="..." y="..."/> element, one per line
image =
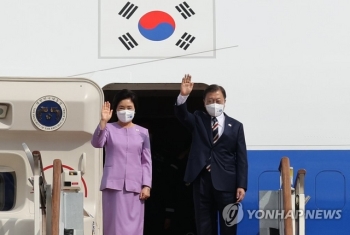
<point x="7" y="188"/>
<point x="330" y="190"/>
<point x="269" y="180"/>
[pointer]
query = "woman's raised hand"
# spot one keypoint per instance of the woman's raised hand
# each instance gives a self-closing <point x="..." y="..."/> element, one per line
<point x="106" y="112"/>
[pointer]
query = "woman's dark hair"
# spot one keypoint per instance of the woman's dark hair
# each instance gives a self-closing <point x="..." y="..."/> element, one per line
<point x="122" y="95"/>
<point x="213" y="88"/>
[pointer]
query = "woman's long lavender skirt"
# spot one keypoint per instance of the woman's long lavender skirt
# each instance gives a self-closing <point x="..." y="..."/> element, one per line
<point x="123" y="212"/>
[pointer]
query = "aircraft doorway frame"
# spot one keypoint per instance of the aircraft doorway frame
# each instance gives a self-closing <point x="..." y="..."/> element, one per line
<point x="155" y="112"/>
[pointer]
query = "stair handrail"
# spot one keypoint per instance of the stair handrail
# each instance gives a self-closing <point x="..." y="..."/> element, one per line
<point x="39" y="170"/>
<point x="299" y="182"/>
<point x="284" y="169"/>
<point x="56" y="196"/>
<point x="300" y="202"/>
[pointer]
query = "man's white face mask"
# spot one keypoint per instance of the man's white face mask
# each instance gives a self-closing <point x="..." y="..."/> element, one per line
<point x="215" y="109"/>
<point x="125" y="115"/>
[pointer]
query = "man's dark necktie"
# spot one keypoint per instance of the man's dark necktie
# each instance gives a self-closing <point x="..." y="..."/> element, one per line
<point x="215" y="129"/>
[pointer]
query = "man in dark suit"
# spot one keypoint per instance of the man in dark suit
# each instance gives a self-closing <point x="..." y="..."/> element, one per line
<point x="217" y="164"/>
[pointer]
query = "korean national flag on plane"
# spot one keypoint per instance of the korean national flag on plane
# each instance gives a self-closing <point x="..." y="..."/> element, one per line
<point x="156" y="28"/>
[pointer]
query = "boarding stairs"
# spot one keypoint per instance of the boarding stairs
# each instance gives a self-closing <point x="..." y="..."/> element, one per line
<point x="288" y="202"/>
<point x="58" y="209"/>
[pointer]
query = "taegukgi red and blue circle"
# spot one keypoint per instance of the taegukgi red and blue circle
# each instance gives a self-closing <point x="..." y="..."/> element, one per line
<point x="156" y="25"/>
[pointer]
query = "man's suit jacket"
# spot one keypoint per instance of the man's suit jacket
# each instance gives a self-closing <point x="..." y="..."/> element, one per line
<point x="229" y="164"/>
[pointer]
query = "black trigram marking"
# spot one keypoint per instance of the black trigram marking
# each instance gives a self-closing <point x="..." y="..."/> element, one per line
<point x="185" y="41"/>
<point x="128" y="10"/>
<point x="185" y="10"/>
<point x="128" y="41"/>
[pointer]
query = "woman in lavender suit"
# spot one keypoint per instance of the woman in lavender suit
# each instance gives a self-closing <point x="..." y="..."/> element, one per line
<point x="127" y="173"/>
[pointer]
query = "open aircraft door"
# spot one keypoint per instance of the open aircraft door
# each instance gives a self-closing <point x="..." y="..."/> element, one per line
<point x="56" y="116"/>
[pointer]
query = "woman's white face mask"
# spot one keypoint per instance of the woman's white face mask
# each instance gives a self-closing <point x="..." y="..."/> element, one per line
<point x="215" y="109"/>
<point x="125" y="115"/>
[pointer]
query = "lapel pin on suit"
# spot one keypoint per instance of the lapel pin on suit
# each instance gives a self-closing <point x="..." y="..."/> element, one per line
<point x="229" y="125"/>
